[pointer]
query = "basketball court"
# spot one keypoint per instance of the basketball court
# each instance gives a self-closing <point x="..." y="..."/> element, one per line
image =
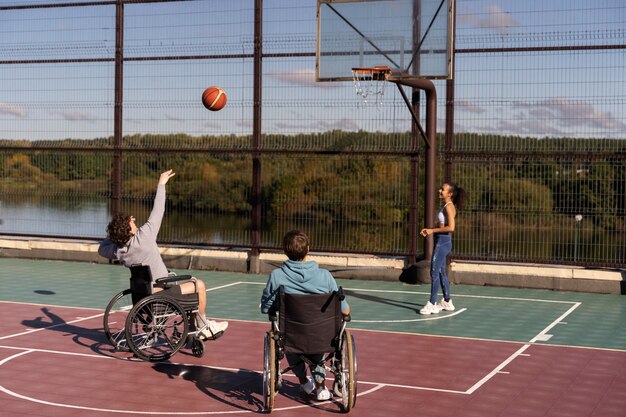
<point x="503" y="352"/>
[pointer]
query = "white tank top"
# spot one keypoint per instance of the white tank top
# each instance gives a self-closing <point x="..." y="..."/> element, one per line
<point x="441" y="216"/>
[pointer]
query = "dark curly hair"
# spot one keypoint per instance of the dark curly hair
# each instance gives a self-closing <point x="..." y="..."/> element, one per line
<point x="119" y="229"/>
<point x="296" y="245"/>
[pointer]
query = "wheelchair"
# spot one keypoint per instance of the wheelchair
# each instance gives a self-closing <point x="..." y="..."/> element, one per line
<point x="153" y="326"/>
<point x="310" y="324"/>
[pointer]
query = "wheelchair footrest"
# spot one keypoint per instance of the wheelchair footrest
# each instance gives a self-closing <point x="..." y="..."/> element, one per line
<point x="215" y="336"/>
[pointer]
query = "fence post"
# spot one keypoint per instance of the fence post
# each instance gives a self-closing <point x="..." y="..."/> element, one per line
<point x="255" y="200"/>
<point x="116" y="186"/>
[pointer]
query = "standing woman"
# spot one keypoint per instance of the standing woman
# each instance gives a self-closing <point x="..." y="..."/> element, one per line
<point x="452" y="197"/>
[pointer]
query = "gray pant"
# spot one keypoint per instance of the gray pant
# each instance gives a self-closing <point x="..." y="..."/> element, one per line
<point x="318" y="372"/>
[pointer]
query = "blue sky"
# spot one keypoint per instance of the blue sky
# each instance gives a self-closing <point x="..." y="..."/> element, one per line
<point x="579" y="94"/>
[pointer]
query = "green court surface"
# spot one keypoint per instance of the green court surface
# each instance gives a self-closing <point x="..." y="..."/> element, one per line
<point x="490" y="313"/>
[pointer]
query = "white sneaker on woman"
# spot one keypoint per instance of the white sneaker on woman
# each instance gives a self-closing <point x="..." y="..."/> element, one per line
<point x="430" y="308"/>
<point x="445" y="305"/>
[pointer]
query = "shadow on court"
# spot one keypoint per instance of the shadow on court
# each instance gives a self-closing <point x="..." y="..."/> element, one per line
<point x="94" y="339"/>
<point x="239" y="389"/>
<point x="415" y="307"/>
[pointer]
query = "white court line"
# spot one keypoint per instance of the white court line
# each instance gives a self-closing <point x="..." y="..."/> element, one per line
<point x="25" y="351"/>
<point x="496" y="370"/>
<point x="227" y="285"/>
<point x="554" y="323"/>
<point x="488" y="297"/>
<point x="377" y="386"/>
<point x="26" y="303"/>
<point x="445" y="316"/>
<point x="521" y="350"/>
<point x="51" y="327"/>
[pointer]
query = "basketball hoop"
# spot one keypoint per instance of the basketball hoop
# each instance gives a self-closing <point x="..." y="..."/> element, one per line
<point x="369" y="83"/>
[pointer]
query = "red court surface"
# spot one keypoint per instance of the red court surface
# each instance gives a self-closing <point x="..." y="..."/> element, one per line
<point x="55" y="361"/>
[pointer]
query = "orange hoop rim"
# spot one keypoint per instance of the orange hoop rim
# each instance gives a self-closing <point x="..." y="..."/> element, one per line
<point x="379" y="72"/>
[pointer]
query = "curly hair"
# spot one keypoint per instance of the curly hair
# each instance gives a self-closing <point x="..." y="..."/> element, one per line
<point x="119" y="229"/>
<point x="296" y="245"/>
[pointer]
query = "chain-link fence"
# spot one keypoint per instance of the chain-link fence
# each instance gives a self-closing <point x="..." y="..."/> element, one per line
<point x="97" y="98"/>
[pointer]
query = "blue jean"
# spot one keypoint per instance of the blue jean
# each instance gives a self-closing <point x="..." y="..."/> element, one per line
<point x="299" y="366"/>
<point x="438" y="274"/>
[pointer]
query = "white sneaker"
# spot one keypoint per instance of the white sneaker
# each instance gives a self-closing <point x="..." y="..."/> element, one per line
<point x="309" y="386"/>
<point x="445" y="305"/>
<point x="213" y="330"/>
<point x="430" y="308"/>
<point x="322" y="394"/>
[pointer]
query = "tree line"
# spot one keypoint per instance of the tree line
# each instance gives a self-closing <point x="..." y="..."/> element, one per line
<point x="548" y="177"/>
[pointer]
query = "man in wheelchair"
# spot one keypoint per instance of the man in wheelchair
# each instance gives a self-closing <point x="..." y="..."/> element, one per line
<point x="131" y="246"/>
<point x="299" y="276"/>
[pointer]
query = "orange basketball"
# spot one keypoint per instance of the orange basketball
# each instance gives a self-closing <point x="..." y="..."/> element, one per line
<point x="214" y="98"/>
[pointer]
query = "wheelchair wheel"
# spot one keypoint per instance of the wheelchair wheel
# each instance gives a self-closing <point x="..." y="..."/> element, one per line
<point x="345" y="385"/>
<point x="270" y="371"/>
<point x="156" y="328"/>
<point x="115" y="319"/>
<point x="197" y="347"/>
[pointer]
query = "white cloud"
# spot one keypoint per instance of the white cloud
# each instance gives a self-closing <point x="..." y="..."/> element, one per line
<point x="169" y="116"/>
<point x="302" y="77"/>
<point x="494" y="18"/>
<point x="341" y="124"/>
<point x="13" y="110"/>
<point x="323" y="125"/>
<point x="565" y="113"/>
<point x="77" y="116"/>
<point x="468" y="106"/>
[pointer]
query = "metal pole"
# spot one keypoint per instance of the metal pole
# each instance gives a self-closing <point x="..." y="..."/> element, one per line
<point x="431" y="159"/>
<point x="431" y="153"/>
<point x="116" y="184"/>
<point x="255" y="200"/>
<point x="449" y="134"/>
<point x="416" y="130"/>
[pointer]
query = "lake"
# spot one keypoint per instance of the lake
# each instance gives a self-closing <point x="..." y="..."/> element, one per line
<point x="88" y="217"/>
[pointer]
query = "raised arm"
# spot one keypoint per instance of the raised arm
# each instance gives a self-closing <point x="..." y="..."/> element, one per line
<point x="152" y="226"/>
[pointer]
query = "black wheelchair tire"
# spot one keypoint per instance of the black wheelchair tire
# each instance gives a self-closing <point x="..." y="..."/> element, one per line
<point x="349" y="372"/>
<point x="270" y="370"/>
<point x="197" y="347"/>
<point x="122" y="303"/>
<point x="156" y="328"/>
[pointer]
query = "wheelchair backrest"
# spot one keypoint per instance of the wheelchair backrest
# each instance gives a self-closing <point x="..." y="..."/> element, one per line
<point x="309" y="323"/>
<point x="140" y="282"/>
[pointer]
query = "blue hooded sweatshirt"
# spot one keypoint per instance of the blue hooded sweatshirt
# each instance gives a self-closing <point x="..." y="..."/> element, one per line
<point x="298" y="278"/>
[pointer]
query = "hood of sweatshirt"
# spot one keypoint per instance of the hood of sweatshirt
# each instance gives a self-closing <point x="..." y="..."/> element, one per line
<point x="300" y="271"/>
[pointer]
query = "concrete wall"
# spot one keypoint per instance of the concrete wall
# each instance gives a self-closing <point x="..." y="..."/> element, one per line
<point x="348" y="266"/>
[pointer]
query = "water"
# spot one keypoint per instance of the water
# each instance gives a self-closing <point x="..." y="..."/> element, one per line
<point x="49" y="216"/>
<point x="88" y="218"/>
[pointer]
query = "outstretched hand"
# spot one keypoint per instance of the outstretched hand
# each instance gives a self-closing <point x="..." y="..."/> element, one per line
<point x="165" y="176"/>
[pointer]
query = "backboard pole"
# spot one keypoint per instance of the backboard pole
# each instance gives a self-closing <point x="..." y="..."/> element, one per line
<point x="413" y="114"/>
<point x="449" y="134"/>
<point x="431" y="153"/>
